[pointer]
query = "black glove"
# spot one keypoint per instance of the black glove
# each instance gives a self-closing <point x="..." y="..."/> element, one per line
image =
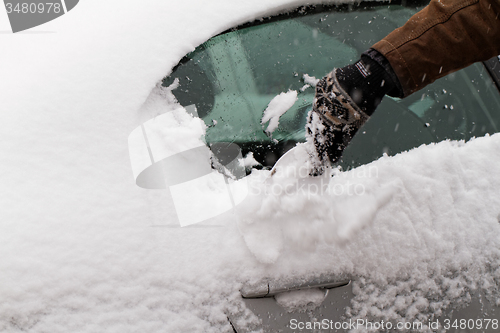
<point x="344" y="101"/>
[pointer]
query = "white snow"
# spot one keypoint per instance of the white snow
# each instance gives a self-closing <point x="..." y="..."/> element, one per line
<point x="249" y="161"/>
<point x="86" y="250"/>
<point x="276" y="108"/>
<point x="301" y="300"/>
<point x="418" y="224"/>
<point x="305" y="87"/>
<point x="311" y="80"/>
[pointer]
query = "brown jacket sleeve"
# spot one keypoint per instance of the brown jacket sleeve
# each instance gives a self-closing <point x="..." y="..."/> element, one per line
<point x="444" y="37"/>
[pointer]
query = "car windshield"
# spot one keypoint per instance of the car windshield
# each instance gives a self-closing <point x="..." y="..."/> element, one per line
<point x="232" y="77"/>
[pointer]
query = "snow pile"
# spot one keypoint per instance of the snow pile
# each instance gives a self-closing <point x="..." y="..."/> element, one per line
<point x="276" y="108"/>
<point x="414" y="230"/>
<point x="302" y="212"/>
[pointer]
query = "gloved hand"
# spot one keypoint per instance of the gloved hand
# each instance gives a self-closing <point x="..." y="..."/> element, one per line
<point x="334" y="119"/>
<point x="344" y="101"/>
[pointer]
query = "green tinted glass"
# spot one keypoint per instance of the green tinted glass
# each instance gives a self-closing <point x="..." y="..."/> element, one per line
<point x="232" y="78"/>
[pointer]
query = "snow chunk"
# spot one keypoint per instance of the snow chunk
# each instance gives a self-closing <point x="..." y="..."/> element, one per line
<point x="305" y="87"/>
<point x="311" y="80"/>
<point x="277" y="107"/>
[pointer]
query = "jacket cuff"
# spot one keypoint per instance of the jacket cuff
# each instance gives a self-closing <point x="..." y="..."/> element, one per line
<point x="375" y="55"/>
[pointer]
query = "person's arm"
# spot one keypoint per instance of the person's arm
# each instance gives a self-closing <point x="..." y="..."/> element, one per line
<point x="447" y="35"/>
<point x="442" y="38"/>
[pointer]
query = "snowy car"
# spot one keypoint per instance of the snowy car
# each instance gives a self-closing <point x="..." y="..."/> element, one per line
<point x="84" y="249"/>
<point x="232" y="79"/>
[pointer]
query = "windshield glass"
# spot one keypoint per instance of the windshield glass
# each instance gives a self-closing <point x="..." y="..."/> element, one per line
<point x="232" y="78"/>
